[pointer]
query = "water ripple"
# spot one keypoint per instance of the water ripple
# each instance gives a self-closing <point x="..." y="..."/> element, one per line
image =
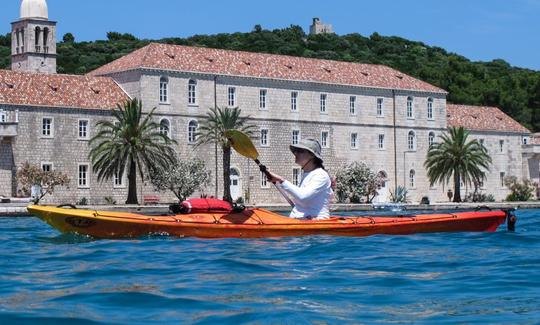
<point x="49" y="278"/>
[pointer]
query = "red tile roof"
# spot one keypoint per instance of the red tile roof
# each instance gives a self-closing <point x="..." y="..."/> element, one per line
<point x="483" y="118"/>
<point x="58" y="90"/>
<point x="260" y="65"/>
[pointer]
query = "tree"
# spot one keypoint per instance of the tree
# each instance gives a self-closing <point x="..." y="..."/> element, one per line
<point x="30" y="175"/>
<point x="456" y="157"/>
<point x="519" y="191"/>
<point x="183" y="178"/>
<point x="68" y="38"/>
<point x="213" y="129"/>
<point x="357" y="183"/>
<point x="131" y="142"/>
<point x="115" y="36"/>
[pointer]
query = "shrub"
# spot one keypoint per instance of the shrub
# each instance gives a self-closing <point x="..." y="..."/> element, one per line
<point x="183" y="178"/>
<point x="82" y="201"/>
<point x="479" y="197"/>
<point x="357" y="183"/>
<point x="30" y="175"/>
<point x="519" y="191"/>
<point x="109" y="200"/>
<point x="400" y="195"/>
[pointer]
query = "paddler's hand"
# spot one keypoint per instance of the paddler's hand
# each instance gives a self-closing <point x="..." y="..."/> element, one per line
<point x="274" y="178"/>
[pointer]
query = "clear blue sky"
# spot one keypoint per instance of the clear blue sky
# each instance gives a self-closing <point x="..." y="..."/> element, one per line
<point x="481" y="30"/>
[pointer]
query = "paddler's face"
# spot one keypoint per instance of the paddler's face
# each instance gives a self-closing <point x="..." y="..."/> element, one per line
<point x="302" y="157"/>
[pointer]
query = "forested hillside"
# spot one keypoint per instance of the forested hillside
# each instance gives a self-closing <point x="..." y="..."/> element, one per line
<point x="496" y="83"/>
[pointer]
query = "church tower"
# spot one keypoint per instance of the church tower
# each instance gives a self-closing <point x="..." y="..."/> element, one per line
<point x="33" y="39"/>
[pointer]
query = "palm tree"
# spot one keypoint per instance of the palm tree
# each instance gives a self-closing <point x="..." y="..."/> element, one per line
<point x="456" y="157"/>
<point x="213" y="129"/>
<point x="133" y="142"/>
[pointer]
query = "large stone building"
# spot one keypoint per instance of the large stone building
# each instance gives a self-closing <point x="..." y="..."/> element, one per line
<point x="359" y="112"/>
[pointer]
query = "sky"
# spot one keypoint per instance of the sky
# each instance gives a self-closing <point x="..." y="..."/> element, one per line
<point x="481" y="30"/>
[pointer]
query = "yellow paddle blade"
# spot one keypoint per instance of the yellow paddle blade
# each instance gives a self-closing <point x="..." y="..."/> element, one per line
<point x="242" y="144"/>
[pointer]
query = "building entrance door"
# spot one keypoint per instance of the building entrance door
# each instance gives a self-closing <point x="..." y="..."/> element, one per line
<point x="236" y="186"/>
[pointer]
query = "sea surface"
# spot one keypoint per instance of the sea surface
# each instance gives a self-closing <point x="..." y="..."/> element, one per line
<point x="457" y="278"/>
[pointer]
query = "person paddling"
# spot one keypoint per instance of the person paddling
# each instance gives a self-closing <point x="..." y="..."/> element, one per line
<point x="313" y="196"/>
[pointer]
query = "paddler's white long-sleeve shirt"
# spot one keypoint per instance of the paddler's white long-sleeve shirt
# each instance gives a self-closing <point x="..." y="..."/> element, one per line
<point x="312" y="198"/>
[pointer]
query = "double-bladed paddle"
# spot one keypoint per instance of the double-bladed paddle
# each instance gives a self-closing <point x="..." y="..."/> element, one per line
<point x="242" y="144"/>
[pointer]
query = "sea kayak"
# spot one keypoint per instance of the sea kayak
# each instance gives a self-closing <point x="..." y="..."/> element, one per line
<point x="257" y="223"/>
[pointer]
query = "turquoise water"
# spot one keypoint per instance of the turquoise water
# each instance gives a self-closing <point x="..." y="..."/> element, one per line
<point x="48" y="278"/>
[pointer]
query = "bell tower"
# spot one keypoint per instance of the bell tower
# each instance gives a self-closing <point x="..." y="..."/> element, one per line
<point x="33" y="39"/>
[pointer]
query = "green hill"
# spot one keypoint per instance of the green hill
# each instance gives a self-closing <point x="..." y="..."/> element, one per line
<point x="515" y="90"/>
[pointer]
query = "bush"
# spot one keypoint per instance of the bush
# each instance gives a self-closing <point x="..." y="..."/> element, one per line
<point x="357" y="183"/>
<point x="519" y="191"/>
<point x="400" y="195"/>
<point x="479" y="197"/>
<point x="183" y="178"/>
<point x="109" y="200"/>
<point x="46" y="181"/>
<point x="82" y="201"/>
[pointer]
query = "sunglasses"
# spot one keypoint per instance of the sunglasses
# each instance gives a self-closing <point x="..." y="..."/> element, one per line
<point x="298" y="151"/>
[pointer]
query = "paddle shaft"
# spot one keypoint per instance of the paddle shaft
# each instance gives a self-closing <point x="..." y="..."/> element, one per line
<point x="269" y="176"/>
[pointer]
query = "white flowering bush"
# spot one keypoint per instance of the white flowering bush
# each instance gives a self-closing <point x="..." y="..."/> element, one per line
<point x="357" y="183"/>
<point x="183" y="178"/>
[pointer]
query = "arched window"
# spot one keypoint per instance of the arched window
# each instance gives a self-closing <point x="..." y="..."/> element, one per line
<point x="38" y="32"/>
<point x="45" y="39"/>
<point x="192" y="131"/>
<point x="409" y="107"/>
<point x="192" y="92"/>
<point x="384" y="178"/>
<point x="412" y="176"/>
<point x="411" y="141"/>
<point x="431" y="138"/>
<point x="163" y="90"/>
<point x="430" y="108"/>
<point x="165" y="127"/>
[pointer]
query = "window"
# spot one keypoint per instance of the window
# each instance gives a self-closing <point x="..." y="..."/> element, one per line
<point x="83" y="129"/>
<point x="295" y="136"/>
<point x="231" y="97"/>
<point x="296" y="173"/>
<point x="525" y="140"/>
<point x="264" y="181"/>
<point x="264" y="137"/>
<point x="482" y="142"/>
<point x="118" y="180"/>
<point x="381" y="142"/>
<point x="192" y="92"/>
<point x="354" y="140"/>
<point x="501" y="176"/>
<point x="501" y="146"/>
<point x="192" y="131"/>
<point x="47" y="166"/>
<point x="380" y="107"/>
<point x="411" y="141"/>
<point x="412" y="175"/>
<point x="324" y="139"/>
<point x="294" y="101"/>
<point x="47" y="127"/>
<point x="430" y="108"/>
<point x="83" y="176"/>
<point x="409" y="107"/>
<point x="3" y="116"/>
<point x="164" y="90"/>
<point x="431" y="138"/>
<point x="262" y="99"/>
<point x="165" y="127"/>
<point x="323" y="103"/>
<point x="352" y="105"/>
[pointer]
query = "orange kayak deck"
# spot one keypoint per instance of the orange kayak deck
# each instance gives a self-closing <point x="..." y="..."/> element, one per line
<point x="257" y="223"/>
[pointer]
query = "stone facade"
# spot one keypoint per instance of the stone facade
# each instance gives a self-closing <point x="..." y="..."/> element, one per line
<point x="33" y="45"/>
<point x="392" y="126"/>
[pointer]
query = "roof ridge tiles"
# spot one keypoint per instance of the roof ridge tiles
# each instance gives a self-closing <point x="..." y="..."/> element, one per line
<point x="267" y="65"/>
